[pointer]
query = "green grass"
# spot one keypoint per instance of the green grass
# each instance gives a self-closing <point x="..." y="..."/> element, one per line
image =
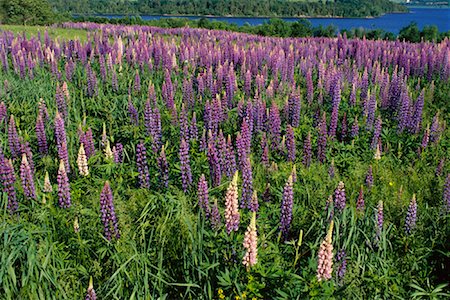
<point x="54" y="33"/>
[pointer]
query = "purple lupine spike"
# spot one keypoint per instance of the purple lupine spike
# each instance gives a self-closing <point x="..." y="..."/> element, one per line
<point x="404" y="112"/>
<point x="91" y="295"/>
<point x="446" y="194"/>
<point x="214" y="164"/>
<point x="411" y="216"/>
<point x="231" y="158"/>
<point x="286" y="208"/>
<point x="183" y="123"/>
<point x="215" y="216"/>
<point x="267" y="196"/>
<point x="309" y="86"/>
<point x="369" y="177"/>
<point x="372" y="106"/>
<point x="163" y="168"/>
<point x="202" y="194"/>
<point x="360" y="205"/>
<point x="344" y="127"/>
<point x="108" y="215"/>
<point x="118" y="153"/>
<point x="61" y="101"/>
<point x="132" y="111"/>
<point x="148" y="113"/>
<point x="26" y="149"/>
<point x="339" y="197"/>
<point x="335" y="112"/>
<point x="294" y="108"/>
<point x="26" y="175"/>
<point x="342" y="263"/>
<point x="274" y="126"/>
<point x="61" y="141"/>
<point x="13" y="138"/>
<point x="307" y="150"/>
<point x="142" y="165"/>
<point x="3" y="112"/>
<point x="247" y="184"/>
<point x="254" y="205"/>
<point x="416" y="118"/>
<point x="8" y="180"/>
<point x="265" y="150"/>
<point x="193" y="130"/>
<point x="221" y="146"/>
<point x="379" y="218"/>
<point x="232" y="216"/>
<point x="440" y="167"/>
<point x="425" y="138"/>
<point x="89" y="143"/>
<point x="435" y="129"/>
<point x="376" y="133"/>
<point x="355" y="128"/>
<point x="203" y="145"/>
<point x="137" y="82"/>
<point x="41" y="136"/>
<point x="290" y="143"/>
<point x="63" y="186"/>
<point x="322" y="140"/>
<point x="92" y="88"/>
<point x="331" y="170"/>
<point x="186" y="175"/>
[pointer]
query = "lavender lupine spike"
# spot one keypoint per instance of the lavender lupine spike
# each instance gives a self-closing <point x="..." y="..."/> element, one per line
<point x="163" y="168"/>
<point x="203" y="196"/>
<point x="440" y="167"/>
<point x="379" y="218"/>
<point x="214" y="164"/>
<point x="340" y="197"/>
<point x="232" y="216"/>
<point x="231" y="158"/>
<point x="8" y="180"/>
<point x="404" y="112"/>
<point x="325" y="256"/>
<point x="118" y="153"/>
<point x="254" y="205"/>
<point x="13" y="138"/>
<point x="286" y="208"/>
<point x="132" y="111"/>
<point x="3" y="112"/>
<point x="26" y="176"/>
<point x="435" y="129"/>
<point x="322" y="140"/>
<point x="247" y="184"/>
<point x="61" y="101"/>
<point x="108" y="214"/>
<point x="251" y="244"/>
<point x="369" y="177"/>
<point x="193" y="130"/>
<point x="355" y="128"/>
<point x="274" y="126"/>
<point x="290" y="143"/>
<point x="141" y="160"/>
<point x="342" y="261"/>
<point x="416" y="118"/>
<point x="61" y="141"/>
<point x="41" y="136"/>
<point x="360" y="205"/>
<point x="446" y="194"/>
<point x="331" y="170"/>
<point x="376" y="133"/>
<point x="411" y="216"/>
<point x="63" y="186"/>
<point x="425" y="138"/>
<point x="137" y="82"/>
<point x="186" y="175"/>
<point x="215" y="218"/>
<point x="91" y="295"/>
<point x="307" y="150"/>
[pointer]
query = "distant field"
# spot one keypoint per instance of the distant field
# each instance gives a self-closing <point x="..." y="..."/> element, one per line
<point x="53" y="32"/>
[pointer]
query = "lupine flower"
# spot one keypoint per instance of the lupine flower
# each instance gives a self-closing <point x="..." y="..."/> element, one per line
<point x="137" y="82"/>
<point x="251" y="244"/>
<point x="91" y="292"/>
<point x="355" y="128"/>
<point x="369" y="177"/>
<point x="411" y="216"/>
<point x="202" y="194"/>
<point x="404" y="111"/>
<point x="118" y="153"/>
<point x="47" y="184"/>
<point x="447" y="193"/>
<point x="331" y="170"/>
<point x="13" y="138"/>
<point x="132" y="111"/>
<point x="8" y="180"/>
<point x="435" y="129"/>
<point x="82" y="162"/>
<point x="186" y="175"/>
<point x="376" y="132"/>
<point x="26" y="149"/>
<point x="232" y="216"/>
<point x="63" y="186"/>
<point x="61" y="141"/>
<point x="41" y="136"/>
<point x="307" y="150"/>
<point x="108" y="214"/>
<point x="439" y="167"/>
<point x="342" y="261"/>
<point x="104" y="136"/>
<point x="325" y="256"/>
<point x="416" y="118"/>
<point x="274" y="125"/>
<point x="360" y="202"/>
<point x="339" y="196"/>
<point x="254" y="205"/>
<point x="214" y="164"/>
<point x="76" y="225"/>
<point x="286" y="208"/>
<point x="425" y="138"/>
<point x="379" y="218"/>
<point x="193" y="131"/>
<point x="109" y="155"/>
<point x="26" y="175"/>
<point x="61" y="101"/>
<point x="322" y="141"/>
<point x="377" y="155"/>
<point x="163" y="168"/>
<point x="215" y="216"/>
<point x="290" y="143"/>
<point x="3" y="112"/>
<point x="247" y="184"/>
<point x="141" y="159"/>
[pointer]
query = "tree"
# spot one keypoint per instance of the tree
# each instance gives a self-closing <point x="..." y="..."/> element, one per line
<point x="26" y="12"/>
<point x="410" y="33"/>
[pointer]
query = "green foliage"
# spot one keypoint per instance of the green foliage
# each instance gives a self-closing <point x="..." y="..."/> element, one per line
<point x="26" y="12"/>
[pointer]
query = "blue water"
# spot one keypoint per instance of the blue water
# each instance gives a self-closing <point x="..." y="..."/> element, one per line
<point x="389" y="22"/>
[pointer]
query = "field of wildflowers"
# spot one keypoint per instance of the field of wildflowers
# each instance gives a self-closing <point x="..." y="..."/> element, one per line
<point x="150" y="163"/>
